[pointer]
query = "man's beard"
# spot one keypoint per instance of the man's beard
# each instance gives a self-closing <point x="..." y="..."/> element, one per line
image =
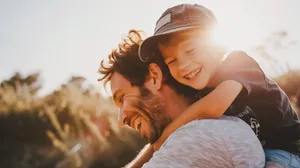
<point x="154" y="110"/>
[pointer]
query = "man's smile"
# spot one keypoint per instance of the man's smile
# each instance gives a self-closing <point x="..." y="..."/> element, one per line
<point x="136" y="122"/>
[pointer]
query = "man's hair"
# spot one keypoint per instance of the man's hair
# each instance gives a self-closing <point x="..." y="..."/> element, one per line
<point x="125" y="61"/>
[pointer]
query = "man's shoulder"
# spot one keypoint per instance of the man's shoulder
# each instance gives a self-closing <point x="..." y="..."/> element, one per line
<point x="199" y="142"/>
<point x="206" y="127"/>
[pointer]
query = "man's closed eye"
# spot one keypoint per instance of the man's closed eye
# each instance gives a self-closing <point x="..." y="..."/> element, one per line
<point x="121" y="99"/>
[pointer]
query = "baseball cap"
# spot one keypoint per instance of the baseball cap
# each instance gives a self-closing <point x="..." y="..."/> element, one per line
<point x="175" y="19"/>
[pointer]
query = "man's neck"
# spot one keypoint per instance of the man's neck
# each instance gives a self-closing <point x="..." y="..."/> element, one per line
<point x="175" y="104"/>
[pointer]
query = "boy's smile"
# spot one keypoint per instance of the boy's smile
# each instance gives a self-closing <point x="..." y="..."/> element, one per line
<point x="192" y="75"/>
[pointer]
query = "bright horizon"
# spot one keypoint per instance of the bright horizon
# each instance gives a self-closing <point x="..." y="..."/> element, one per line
<point x="64" y="38"/>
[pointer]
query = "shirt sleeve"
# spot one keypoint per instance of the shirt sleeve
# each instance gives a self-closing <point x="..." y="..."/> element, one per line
<point x="238" y="66"/>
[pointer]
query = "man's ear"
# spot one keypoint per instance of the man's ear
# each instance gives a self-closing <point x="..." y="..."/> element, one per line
<point x="155" y="77"/>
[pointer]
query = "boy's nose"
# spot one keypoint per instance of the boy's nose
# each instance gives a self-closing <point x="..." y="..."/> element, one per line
<point x="182" y="61"/>
<point x="183" y="68"/>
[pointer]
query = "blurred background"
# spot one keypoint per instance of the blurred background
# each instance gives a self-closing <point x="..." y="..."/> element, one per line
<point x="53" y="113"/>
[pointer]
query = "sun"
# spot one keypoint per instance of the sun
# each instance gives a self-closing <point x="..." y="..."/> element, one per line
<point x="222" y="36"/>
<point x="235" y="36"/>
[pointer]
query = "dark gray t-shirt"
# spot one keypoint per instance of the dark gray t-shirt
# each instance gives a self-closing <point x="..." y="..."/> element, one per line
<point x="262" y="103"/>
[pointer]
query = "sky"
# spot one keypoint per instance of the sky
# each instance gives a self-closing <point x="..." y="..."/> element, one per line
<point x="61" y="38"/>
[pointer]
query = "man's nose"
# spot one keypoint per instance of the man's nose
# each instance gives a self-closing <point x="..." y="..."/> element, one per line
<point x="122" y="117"/>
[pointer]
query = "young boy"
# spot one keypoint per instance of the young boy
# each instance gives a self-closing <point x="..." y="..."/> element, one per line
<point x="233" y="86"/>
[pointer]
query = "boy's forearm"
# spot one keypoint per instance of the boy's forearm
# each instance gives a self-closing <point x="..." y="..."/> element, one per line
<point x="198" y="110"/>
<point x="187" y="116"/>
<point x="212" y="106"/>
<point x="143" y="157"/>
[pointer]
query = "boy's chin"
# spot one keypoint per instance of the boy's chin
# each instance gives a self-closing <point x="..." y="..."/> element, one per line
<point x="198" y="86"/>
<point x="197" y="83"/>
<point x="201" y="83"/>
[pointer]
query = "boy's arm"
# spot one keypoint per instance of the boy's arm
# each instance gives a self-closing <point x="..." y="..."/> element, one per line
<point x="211" y="106"/>
<point x="143" y="157"/>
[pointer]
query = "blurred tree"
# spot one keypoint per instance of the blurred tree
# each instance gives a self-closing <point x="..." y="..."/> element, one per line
<point x="274" y="61"/>
<point x="74" y="126"/>
<point x="272" y="53"/>
<point x="19" y="93"/>
<point x="18" y="82"/>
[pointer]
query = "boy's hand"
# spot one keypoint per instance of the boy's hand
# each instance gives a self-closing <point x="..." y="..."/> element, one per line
<point x="143" y="157"/>
<point x="165" y="134"/>
<point x="157" y="144"/>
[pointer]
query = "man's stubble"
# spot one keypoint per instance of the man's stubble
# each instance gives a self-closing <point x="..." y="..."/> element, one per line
<point x="154" y="110"/>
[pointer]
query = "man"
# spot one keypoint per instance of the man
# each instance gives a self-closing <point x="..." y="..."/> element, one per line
<point x="148" y="99"/>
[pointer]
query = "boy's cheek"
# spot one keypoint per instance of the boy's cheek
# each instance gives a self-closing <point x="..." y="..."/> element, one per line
<point x="175" y="76"/>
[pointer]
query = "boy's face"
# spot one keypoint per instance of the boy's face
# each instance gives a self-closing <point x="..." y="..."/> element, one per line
<point x="191" y="58"/>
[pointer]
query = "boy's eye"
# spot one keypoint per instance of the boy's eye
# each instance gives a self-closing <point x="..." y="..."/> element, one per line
<point x="170" y="62"/>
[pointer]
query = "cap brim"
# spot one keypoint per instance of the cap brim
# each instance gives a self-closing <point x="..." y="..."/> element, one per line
<point x="149" y="45"/>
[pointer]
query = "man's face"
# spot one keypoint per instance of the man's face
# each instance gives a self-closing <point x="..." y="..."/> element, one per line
<point x="139" y="108"/>
<point x="191" y="57"/>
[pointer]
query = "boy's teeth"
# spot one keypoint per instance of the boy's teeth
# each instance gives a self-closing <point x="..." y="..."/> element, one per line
<point x="192" y="75"/>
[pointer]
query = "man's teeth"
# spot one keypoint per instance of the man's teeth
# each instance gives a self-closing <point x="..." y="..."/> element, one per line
<point x="192" y="75"/>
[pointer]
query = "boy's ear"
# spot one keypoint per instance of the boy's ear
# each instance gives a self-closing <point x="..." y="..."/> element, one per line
<point x="155" y="77"/>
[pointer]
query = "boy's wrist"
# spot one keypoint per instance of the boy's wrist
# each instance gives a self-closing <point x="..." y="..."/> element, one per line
<point x="143" y="157"/>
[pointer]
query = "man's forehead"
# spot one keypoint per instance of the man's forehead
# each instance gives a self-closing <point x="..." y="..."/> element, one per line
<point x="119" y="82"/>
